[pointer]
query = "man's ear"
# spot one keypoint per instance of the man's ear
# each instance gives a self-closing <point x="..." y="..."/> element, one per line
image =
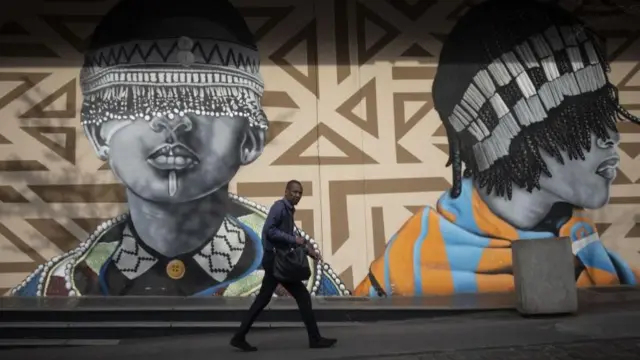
<point x="99" y="136"/>
<point x="252" y="145"/>
<point x="98" y="143"/>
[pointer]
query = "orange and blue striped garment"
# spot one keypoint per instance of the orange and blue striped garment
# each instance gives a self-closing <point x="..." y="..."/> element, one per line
<point x="462" y="247"/>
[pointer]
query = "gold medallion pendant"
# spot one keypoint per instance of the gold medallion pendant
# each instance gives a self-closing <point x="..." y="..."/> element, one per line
<point x="175" y="269"/>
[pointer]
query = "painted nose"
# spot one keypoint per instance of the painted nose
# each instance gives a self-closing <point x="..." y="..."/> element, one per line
<point x="614" y="140"/>
<point x="172" y="125"/>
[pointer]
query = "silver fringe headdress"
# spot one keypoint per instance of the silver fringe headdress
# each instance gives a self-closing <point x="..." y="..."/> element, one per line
<point x="143" y="79"/>
<point x="515" y="78"/>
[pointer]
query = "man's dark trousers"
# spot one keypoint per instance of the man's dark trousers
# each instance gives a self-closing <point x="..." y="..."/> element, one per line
<point x="269" y="285"/>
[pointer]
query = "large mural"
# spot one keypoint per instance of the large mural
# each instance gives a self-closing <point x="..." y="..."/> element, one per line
<point x="172" y="102"/>
<point x="365" y="102"/>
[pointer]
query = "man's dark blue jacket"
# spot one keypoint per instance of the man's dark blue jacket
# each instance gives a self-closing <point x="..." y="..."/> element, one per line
<point x="278" y="228"/>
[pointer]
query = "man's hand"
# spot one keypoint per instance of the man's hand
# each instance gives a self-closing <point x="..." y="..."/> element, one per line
<point x="313" y="252"/>
<point x="299" y="240"/>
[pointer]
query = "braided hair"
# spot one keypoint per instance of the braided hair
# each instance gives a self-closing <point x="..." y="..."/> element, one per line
<point x="516" y="78"/>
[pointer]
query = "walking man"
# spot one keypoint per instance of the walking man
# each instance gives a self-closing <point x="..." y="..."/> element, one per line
<point x="278" y="233"/>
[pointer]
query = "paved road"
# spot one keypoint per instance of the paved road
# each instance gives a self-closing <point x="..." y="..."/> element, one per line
<point x="591" y="350"/>
<point x="611" y="334"/>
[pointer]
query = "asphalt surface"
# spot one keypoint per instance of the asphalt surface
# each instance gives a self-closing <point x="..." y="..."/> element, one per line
<point x="589" y="350"/>
<point x="603" y="334"/>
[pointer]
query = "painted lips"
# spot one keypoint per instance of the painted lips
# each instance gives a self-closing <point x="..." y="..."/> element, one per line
<point x="609" y="168"/>
<point x="172" y="157"/>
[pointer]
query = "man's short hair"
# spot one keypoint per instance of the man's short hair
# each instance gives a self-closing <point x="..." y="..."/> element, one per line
<point x="291" y="182"/>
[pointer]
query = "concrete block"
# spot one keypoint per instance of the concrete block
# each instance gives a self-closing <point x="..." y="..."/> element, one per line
<point x="544" y="276"/>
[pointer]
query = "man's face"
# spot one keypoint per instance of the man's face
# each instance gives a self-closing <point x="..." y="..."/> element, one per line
<point x="584" y="183"/>
<point x="294" y="193"/>
<point x="175" y="159"/>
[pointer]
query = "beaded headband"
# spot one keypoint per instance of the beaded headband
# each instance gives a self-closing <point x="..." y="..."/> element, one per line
<point x="149" y="78"/>
<point x="522" y="86"/>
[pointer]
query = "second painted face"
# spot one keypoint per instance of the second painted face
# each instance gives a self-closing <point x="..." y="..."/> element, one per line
<point x="584" y="183"/>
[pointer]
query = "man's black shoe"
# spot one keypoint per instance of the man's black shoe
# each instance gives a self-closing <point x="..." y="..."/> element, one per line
<point x="242" y="344"/>
<point x="322" y="343"/>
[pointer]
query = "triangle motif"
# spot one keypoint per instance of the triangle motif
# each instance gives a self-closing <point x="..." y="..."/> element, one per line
<point x="416" y="51"/>
<point x="364" y="16"/>
<point x="308" y="36"/>
<point x="403" y="156"/>
<point x="404" y="124"/>
<point x="58" y="138"/>
<point x="28" y="81"/>
<point x="293" y="155"/>
<point x="19" y="260"/>
<point x="617" y="42"/>
<point x="40" y="111"/>
<point x="273" y="16"/>
<point x="440" y="37"/>
<point x="55" y="233"/>
<point x="324" y="148"/>
<point x="602" y="227"/>
<point x="631" y="81"/>
<point x="414" y="208"/>
<point x="440" y="131"/>
<point x="7" y="86"/>
<point x="278" y="99"/>
<point x="342" y="40"/>
<point x="621" y="179"/>
<point x="275" y="129"/>
<point x="373" y="32"/>
<point x="442" y="147"/>
<point x="412" y="9"/>
<point x="368" y="95"/>
<point x="627" y="127"/>
<point x="82" y="30"/>
<point x="66" y="151"/>
<point x="631" y="149"/>
<point x="634" y="232"/>
<point x="61" y="24"/>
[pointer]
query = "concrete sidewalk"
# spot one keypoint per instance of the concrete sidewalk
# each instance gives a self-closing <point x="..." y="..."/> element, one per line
<point x="473" y="335"/>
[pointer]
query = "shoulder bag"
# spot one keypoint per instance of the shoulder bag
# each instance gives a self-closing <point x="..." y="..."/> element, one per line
<point x="291" y="264"/>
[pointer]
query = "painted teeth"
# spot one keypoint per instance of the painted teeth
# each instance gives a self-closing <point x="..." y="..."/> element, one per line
<point x="606" y="168"/>
<point x="178" y="160"/>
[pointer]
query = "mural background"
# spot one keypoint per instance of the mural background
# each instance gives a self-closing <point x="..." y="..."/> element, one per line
<point x="351" y="117"/>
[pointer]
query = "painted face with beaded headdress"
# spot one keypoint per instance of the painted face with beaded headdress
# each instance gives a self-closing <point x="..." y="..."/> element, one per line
<point x="172" y="97"/>
<point x="527" y="103"/>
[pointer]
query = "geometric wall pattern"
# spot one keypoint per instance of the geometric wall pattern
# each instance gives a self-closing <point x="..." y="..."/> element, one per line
<point x="348" y="94"/>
